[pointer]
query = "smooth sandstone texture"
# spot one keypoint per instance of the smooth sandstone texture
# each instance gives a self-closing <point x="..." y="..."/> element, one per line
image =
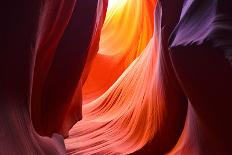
<point x="44" y="46"/>
<point x="156" y="77"/>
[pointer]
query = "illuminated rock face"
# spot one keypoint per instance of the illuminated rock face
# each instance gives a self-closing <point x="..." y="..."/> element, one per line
<point x="147" y="77"/>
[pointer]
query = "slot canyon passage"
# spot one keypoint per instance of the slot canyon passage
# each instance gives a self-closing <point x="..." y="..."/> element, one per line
<point x="115" y="77"/>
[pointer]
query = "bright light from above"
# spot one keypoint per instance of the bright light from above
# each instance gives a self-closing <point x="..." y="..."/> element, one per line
<point x="111" y="3"/>
<point x="114" y="3"/>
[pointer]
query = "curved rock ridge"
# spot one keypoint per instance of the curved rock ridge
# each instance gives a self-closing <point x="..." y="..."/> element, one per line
<point x="113" y="77"/>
